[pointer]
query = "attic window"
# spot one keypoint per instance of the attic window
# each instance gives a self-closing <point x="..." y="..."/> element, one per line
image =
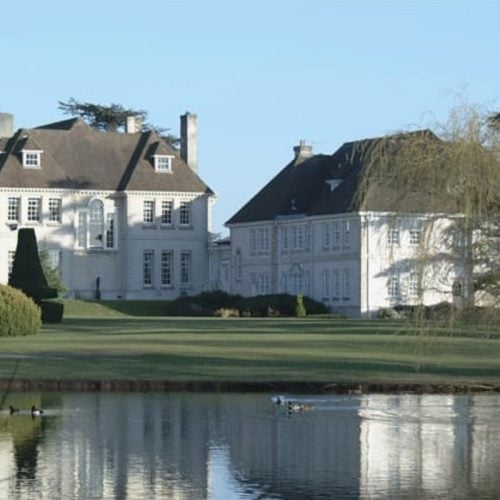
<point x="163" y="163"/>
<point x="32" y="158"/>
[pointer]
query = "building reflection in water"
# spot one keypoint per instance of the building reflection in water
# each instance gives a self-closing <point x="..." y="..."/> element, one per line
<point x="182" y="445"/>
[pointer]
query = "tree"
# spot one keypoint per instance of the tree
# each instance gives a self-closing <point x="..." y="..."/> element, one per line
<point x="112" y="118"/>
<point x="454" y="171"/>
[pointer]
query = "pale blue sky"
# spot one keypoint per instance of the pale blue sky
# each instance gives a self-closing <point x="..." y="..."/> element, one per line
<point x="261" y="75"/>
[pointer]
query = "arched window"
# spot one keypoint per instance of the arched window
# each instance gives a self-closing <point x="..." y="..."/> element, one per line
<point x="96" y="227"/>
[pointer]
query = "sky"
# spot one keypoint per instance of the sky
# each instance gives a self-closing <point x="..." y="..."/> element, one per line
<point x="260" y="74"/>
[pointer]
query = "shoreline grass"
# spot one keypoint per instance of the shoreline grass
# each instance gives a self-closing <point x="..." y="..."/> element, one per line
<point x="117" y="346"/>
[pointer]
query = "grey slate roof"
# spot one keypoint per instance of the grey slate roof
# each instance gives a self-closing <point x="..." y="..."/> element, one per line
<point x="302" y="188"/>
<point x="76" y="156"/>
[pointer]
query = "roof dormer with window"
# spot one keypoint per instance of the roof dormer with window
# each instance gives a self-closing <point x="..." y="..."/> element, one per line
<point x="163" y="163"/>
<point x="32" y="158"/>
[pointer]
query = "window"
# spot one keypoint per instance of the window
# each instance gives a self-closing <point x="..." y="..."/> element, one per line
<point x="110" y="230"/>
<point x="148" y="212"/>
<point x="414" y="285"/>
<point x="393" y="288"/>
<point x="55" y="210"/>
<point x="95" y="227"/>
<point x="347" y="234"/>
<point x="11" y="255"/>
<point x="34" y="209"/>
<point x="185" y="268"/>
<point x="263" y="284"/>
<point x="346" y="284"/>
<point x="308" y="236"/>
<point x="336" y="234"/>
<point x="393" y="236"/>
<point x="163" y="163"/>
<point x="167" y="261"/>
<point x="326" y="284"/>
<point x="147" y="268"/>
<point x="32" y="159"/>
<point x="96" y="222"/>
<point x="166" y="212"/>
<point x="415" y="234"/>
<point x="253" y="241"/>
<point x="185" y="213"/>
<point x="326" y="235"/>
<point x="336" y="284"/>
<point x="297" y="237"/>
<point x="264" y="240"/>
<point x="13" y="209"/>
<point x="284" y="239"/>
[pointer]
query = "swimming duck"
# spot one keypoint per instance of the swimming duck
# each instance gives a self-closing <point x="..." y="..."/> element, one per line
<point x="279" y="400"/>
<point x="13" y="410"/>
<point x="36" y="412"/>
<point x="298" y="407"/>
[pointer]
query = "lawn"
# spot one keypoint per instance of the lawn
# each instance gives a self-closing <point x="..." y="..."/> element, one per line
<point x="117" y="346"/>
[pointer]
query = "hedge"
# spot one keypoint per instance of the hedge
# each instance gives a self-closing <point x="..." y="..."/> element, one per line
<point x="19" y="315"/>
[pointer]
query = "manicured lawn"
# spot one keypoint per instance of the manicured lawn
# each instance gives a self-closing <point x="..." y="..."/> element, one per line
<point x="116" y="346"/>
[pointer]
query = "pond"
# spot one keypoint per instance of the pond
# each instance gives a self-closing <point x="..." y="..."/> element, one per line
<point x="243" y="446"/>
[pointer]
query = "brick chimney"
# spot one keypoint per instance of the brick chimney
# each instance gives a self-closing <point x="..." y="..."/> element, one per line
<point x="302" y="152"/>
<point x="189" y="146"/>
<point x="6" y="125"/>
<point x="134" y="124"/>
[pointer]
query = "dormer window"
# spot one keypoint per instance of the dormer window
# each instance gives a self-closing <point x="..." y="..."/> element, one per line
<point x="32" y="158"/>
<point x="163" y="163"/>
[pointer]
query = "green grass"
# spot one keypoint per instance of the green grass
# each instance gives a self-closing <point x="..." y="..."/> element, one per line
<point x="118" y="346"/>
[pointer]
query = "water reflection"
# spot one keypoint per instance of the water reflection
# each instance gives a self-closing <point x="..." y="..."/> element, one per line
<point x="231" y="446"/>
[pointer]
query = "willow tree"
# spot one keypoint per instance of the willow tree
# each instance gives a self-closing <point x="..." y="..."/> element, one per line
<point x="451" y="173"/>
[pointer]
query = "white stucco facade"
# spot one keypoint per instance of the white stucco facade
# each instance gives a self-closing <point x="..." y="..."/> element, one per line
<point x="355" y="263"/>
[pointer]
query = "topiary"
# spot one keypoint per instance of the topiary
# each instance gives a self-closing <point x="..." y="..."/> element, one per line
<point x="19" y="315"/>
<point x="27" y="275"/>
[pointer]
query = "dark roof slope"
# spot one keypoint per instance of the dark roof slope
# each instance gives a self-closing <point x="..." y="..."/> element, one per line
<point x="321" y="184"/>
<point x="76" y="156"/>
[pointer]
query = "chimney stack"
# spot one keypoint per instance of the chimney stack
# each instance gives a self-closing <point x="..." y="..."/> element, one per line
<point x="189" y="148"/>
<point x="6" y="125"/>
<point x="134" y="124"/>
<point x="302" y="152"/>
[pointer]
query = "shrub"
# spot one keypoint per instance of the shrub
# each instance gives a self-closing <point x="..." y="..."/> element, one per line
<point x="19" y="315"/>
<point x="300" y="310"/>
<point x="52" y="312"/>
<point x="27" y="274"/>
<point x="389" y="313"/>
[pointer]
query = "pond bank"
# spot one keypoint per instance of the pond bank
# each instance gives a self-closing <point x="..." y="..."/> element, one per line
<point x="232" y="386"/>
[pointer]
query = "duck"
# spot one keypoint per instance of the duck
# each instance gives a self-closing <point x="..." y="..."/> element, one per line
<point x="13" y="410"/>
<point x="36" y="412"/>
<point x="298" y="407"/>
<point x="278" y="400"/>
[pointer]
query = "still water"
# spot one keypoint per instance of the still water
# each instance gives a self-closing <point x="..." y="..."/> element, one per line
<point x="242" y="446"/>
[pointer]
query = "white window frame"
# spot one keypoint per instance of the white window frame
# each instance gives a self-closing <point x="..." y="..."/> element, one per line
<point x="185" y="267"/>
<point x="297" y="238"/>
<point x="34" y="210"/>
<point x="167" y="212"/>
<point x="148" y="212"/>
<point x="163" y="163"/>
<point x="336" y="234"/>
<point x="167" y="268"/>
<point x="13" y="209"/>
<point x="108" y="229"/>
<point x="346" y="284"/>
<point x="185" y="213"/>
<point x="394" y="287"/>
<point x="414" y="285"/>
<point x="284" y="239"/>
<point x="148" y="259"/>
<point x="327" y="239"/>
<point x="32" y="158"/>
<point x="326" y="284"/>
<point x="346" y="236"/>
<point x="55" y="211"/>
<point x="336" y="284"/>
<point x="11" y="255"/>
<point x="393" y="235"/>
